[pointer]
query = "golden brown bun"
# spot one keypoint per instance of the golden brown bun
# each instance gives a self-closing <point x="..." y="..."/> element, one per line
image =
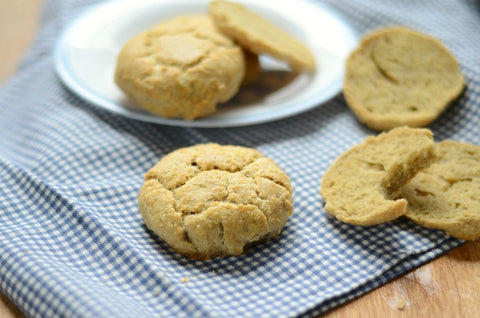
<point x="182" y="68"/>
<point x="209" y="200"/>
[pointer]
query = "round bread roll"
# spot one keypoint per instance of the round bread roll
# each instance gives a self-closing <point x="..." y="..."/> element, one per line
<point x="362" y="184"/>
<point x="209" y="200"/>
<point x="446" y="195"/>
<point x="181" y="68"/>
<point x="400" y="77"/>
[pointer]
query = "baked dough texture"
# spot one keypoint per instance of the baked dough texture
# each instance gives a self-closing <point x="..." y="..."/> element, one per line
<point x="398" y="76"/>
<point x="210" y="200"/>
<point x="446" y="195"/>
<point x="260" y="36"/>
<point x="182" y="67"/>
<point x="362" y="184"/>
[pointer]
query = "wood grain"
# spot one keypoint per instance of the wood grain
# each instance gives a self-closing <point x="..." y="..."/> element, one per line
<point x="448" y="286"/>
<point x="18" y="27"/>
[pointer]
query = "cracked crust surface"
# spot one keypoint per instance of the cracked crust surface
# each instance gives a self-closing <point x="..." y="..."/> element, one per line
<point x="446" y="195"/>
<point x="399" y="77"/>
<point x="260" y="36"/>
<point x="210" y="200"/>
<point x="182" y="67"/>
<point x="361" y="186"/>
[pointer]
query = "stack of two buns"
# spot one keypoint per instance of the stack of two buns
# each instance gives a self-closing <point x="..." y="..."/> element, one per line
<point x="185" y="66"/>
<point x="404" y="172"/>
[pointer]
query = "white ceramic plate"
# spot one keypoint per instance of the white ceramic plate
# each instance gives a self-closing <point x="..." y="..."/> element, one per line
<point x="86" y="52"/>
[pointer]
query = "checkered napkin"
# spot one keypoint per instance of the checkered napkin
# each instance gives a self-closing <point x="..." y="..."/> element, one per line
<point x="73" y="244"/>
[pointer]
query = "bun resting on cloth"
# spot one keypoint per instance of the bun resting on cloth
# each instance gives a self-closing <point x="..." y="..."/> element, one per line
<point x="210" y="200"/>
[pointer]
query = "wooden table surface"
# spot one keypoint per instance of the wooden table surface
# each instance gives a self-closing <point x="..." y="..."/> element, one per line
<point x="448" y="286"/>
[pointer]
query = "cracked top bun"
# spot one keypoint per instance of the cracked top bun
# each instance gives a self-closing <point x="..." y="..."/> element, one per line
<point x="399" y="77"/>
<point x="181" y="68"/>
<point x="210" y="200"/>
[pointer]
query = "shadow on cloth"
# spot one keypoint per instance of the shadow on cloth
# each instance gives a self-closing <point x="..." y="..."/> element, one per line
<point x="254" y="261"/>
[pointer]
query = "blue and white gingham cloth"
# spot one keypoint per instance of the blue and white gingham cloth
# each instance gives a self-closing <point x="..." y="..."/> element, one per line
<point x="73" y="244"/>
